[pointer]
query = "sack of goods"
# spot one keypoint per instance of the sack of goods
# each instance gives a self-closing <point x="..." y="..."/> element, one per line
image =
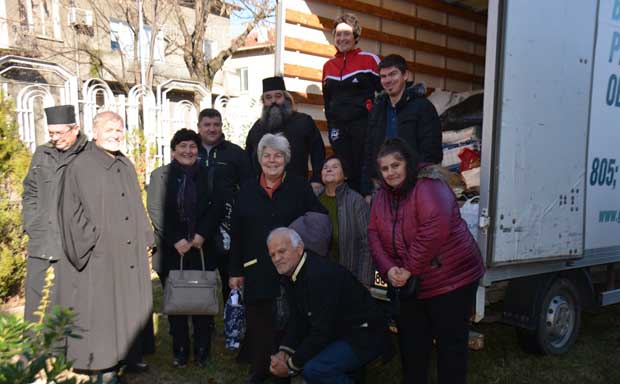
<point x="461" y="120"/>
<point x="470" y="213"/>
<point x="234" y="320"/>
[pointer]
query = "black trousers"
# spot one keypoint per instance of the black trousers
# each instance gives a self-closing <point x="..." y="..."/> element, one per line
<point x="444" y="318"/>
<point x="202" y="327"/>
<point x="179" y="329"/>
<point x="260" y="336"/>
<point x="347" y="139"/>
<point x="36" y="269"/>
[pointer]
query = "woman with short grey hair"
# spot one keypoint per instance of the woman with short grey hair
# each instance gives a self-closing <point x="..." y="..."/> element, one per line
<point x="272" y="200"/>
<point x="276" y="142"/>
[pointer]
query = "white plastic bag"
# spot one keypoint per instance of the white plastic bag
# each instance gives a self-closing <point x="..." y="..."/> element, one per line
<point x="470" y="212"/>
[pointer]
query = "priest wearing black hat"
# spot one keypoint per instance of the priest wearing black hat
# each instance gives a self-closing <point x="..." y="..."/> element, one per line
<point x="279" y="116"/>
<point x="40" y="203"/>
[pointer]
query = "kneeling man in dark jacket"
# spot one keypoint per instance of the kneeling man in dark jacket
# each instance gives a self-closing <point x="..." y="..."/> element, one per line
<point x="335" y="326"/>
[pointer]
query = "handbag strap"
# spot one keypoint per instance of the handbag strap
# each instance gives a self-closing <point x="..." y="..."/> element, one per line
<point x="202" y="260"/>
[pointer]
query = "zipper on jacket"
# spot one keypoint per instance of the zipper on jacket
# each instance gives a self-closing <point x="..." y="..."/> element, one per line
<point x="394" y="206"/>
<point x="344" y="65"/>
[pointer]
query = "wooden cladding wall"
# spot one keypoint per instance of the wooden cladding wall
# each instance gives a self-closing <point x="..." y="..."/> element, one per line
<point x="443" y="44"/>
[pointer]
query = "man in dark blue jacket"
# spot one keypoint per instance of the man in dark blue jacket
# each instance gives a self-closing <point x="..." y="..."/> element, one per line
<point x="402" y="110"/>
<point x="335" y="326"/>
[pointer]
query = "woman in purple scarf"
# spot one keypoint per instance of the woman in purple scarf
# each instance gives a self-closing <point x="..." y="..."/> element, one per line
<point x="184" y="217"/>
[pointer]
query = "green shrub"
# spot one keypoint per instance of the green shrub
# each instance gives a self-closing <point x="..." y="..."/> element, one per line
<point x="14" y="161"/>
<point x="32" y="352"/>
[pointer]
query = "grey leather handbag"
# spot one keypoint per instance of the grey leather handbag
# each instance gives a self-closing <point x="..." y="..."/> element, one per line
<point x="191" y="292"/>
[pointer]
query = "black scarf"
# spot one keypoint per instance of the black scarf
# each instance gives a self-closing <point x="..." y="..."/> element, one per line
<point x="187" y="195"/>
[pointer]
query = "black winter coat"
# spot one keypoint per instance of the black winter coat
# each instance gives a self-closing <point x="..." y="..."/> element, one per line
<point x="328" y="304"/>
<point x="40" y="220"/>
<point x="40" y="198"/>
<point x="305" y="141"/>
<point x="169" y="228"/>
<point x="417" y="123"/>
<point x="254" y="217"/>
<point x="227" y="167"/>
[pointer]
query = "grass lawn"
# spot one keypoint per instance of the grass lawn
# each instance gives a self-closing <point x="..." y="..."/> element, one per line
<point x="594" y="359"/>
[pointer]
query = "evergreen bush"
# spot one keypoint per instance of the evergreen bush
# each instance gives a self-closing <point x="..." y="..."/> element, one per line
<point x="14" y="161"/>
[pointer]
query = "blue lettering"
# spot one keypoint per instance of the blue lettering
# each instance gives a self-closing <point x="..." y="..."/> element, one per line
<point x="615" y="45"/>
<point x="615" y="14"/>
<point x="612" y="86"/>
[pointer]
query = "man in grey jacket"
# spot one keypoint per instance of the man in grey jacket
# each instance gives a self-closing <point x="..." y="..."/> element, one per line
<point x="40" y="203"/>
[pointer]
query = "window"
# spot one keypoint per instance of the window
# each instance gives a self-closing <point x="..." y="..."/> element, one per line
<point x="43" y="18"/>
<point x="210" y="48"/>
<point x="243" y="79"/>
<point x="122" y="40"/>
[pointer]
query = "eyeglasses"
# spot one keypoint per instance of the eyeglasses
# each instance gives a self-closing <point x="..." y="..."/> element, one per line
<point x="53" y="134"/>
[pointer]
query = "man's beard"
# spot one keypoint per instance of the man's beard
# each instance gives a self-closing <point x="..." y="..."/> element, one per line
<point x="274" y="116"/>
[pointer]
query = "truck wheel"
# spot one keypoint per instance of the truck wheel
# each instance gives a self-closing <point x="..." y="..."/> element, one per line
<point x="559" y="319"/>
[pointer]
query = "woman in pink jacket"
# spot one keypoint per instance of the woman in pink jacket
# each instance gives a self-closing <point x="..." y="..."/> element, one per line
<point x="416" y="233"/>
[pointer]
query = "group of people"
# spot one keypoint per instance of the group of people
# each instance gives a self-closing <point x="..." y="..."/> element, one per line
<point x="271" y="227"/>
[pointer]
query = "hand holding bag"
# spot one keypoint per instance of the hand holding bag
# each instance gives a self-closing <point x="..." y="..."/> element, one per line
<point x="396" y="294"/>
<point x="191" y="292"/>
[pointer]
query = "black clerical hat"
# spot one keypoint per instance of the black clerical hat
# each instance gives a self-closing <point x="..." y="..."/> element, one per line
<point x="273" y="84"/>
<point x="61" y="114"/>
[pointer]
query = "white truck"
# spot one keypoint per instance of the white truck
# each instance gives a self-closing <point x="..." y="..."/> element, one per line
<point x="549" y="193"/>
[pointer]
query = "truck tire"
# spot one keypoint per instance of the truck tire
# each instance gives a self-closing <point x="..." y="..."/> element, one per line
<point x="559" y="318"/>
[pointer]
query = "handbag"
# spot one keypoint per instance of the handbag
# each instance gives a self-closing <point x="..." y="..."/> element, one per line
<point x="396" y="294"/>
<point x="409" y="290"/>
<point x="191" y="292"/>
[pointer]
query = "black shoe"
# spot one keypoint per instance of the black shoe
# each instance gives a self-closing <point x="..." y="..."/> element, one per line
<point x="201" y="356"/>
<point x="139" y="367"/>
<point x="180" y="358"/>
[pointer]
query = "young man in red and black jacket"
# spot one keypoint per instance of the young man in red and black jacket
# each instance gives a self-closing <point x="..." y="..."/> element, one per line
<point x="350" y="81"/>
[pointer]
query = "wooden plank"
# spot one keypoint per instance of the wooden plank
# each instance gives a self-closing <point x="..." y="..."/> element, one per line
<point x="412" y="21"/>
<point x="321" y="124"/>
<point x="317" y="100"/>
<point x="451" y="10"/>
<point x="292" y="70"/>
<point x="325" y="50"/>
<point x="307" y="98"/>
<point x="309" y="47"/>
<point x="325" y="24"/>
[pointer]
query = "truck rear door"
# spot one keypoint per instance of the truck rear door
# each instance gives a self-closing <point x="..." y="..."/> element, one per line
<point x="536" y="129"/>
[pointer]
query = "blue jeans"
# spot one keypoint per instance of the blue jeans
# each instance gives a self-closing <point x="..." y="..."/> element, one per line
<point x="333" y="365"/>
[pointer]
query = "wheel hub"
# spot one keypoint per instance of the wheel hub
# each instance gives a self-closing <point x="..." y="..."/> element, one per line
<point x="559" y="320"/>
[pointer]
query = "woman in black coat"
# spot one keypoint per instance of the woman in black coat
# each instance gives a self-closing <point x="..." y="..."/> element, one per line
<point x="275" y="199"/>
<point x="183" y="216"/>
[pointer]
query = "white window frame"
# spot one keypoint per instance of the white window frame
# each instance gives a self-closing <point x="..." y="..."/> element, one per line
<point x="40" y="28"/>
<point x="122" y="34"/>
<point x="244" y="78"/>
